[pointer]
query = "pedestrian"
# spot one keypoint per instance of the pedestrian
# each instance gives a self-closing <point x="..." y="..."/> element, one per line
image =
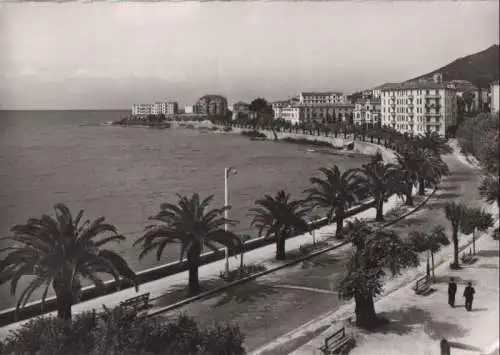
<point x="452" y="291"/>
<point x="469" y="296"/>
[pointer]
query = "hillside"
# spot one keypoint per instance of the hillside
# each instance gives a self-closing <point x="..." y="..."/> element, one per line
<point x="479" y="68"/>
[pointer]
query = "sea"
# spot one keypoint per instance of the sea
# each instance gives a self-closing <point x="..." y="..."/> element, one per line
<point x="125" y="173"/>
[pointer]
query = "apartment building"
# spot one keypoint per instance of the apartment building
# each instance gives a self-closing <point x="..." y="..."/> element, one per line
<point x="211" y="105"/>
<point x="495" y="96"/>
<point x="289" y="111"/>
<point x="463" y="86"/>
<point x="321" y="98"/>
<point x="167" y="108"/>
<point x="240" y="108"/>
<point x="367" y="111"/>
<point x="418" y="107"/>
<point x="142" y="109"/>
<point x="324" y="113"/>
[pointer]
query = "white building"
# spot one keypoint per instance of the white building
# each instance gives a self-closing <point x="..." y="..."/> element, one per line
<point x="315" y="98"/>
<point x="142" y="109"/>
<point x="168" y="108"/>
<point x="367" y="111"/>
<point x="495" y="96"/>
<point x="188" y="109"/>
<point x="288" y="111"/>
<point x="418" y="107"/>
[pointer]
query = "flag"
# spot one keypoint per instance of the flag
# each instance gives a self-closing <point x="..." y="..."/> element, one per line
<point x="230" y="171"/>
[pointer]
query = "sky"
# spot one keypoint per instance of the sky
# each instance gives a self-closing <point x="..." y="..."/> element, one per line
<point x="109" y="55"/>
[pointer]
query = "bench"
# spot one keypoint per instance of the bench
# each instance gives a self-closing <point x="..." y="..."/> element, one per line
<point x="337" y="342"/>
<point x="423" y="286"/>
<point x="136" y="303"/>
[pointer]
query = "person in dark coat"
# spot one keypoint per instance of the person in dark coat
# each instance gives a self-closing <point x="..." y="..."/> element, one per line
<point x="445" y="347"/>
<point x="452" y="291"/>
<point x="469" y="296"/>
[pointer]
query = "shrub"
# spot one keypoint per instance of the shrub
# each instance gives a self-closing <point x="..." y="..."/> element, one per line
<point x="117" y="331"/>
<point x="306" y="249"/>
<point x="311" y="142"/>
<point x="253" y="134"/>
<point x="228" y="129"/>
<point x="247" y="270"/>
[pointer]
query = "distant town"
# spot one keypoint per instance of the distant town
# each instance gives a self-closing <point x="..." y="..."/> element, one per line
<point x="414" y="107"/>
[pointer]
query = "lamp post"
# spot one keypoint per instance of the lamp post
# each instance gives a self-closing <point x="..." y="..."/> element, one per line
<point x="227" y="172"/>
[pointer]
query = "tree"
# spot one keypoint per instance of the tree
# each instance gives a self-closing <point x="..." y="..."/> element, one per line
<point x="336" y="192"/>
<point x="358" y="231"/>
<point x="193" y="225"/>
<point x="455" y="213"/>
<point x="366" y="271"/>
<point x="379" y="179"/>
<point x="408" y="168"/>
<point x="489" y="190"/>
<point x="431" y="169"/>
<point x="431" y="242"/>
<point x="280" y="216"/>
<point x="61" y="252"/>
<point x="476" y="219"/>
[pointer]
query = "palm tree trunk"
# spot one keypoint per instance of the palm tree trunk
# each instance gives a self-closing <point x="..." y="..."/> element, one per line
<point x="241" y="256"/>
<point x="455" y="247"/>
<point x="421" y="187"/>
<point x="474" y="241"/>
<point x="365" y="311"/>
<point x="409" y="195"/>
<point x="380" y="210"/>
<point x="193" y="259"/>
<point x="428" y="268"/>
<point x="339" y="233"/>
<point x="64" y="298"/>
<point x="280" y="248"/>
<point x="433" y="266"/>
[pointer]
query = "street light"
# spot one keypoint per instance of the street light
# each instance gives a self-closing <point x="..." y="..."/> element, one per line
<point x="227" y="172"/>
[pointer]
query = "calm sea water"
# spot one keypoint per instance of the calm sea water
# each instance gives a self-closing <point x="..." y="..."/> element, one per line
<point x="126" y="173"/>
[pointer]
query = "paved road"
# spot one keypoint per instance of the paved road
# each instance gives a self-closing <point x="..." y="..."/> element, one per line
<point x="272" y="306"/>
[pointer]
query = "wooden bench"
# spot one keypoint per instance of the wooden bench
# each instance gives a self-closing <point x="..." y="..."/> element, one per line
<point x="337" y="342"/>
<point x="136" y="303"/>
<point x="423" y="286"/>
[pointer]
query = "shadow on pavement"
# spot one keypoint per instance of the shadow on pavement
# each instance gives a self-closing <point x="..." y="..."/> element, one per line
<point x="479" y="309"/>
<point x="179" y="292"/>
<point x="462" y="346"/>
<point x="403" y="322"/>
<point x="488" y="253"/>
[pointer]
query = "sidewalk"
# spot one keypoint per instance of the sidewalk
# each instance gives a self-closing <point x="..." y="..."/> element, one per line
<point x="264" y="255"/>
<point x="419" y="322"/>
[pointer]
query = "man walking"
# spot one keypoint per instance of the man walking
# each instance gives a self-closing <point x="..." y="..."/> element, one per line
<point x="469" y="296"/>
<point x="452" y="291"/>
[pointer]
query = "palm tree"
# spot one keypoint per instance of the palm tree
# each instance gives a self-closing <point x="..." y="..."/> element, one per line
<point x="476" y="219"/>
<point x="431" y="169"/>
<point x="366" y="271"/>
<point x="455" y="213"/>
<point x="62" y="252"/>
<point x="431" y="242"/>
<point x="336" y="192"/>
<point x="433" y="142"/>
<point x="280" y="216"/>
<point x="193" y="225"/>
<point x="489" y="190"/>
<point x="358" y="231"/>
<point x="408" y="168"/>
<point x="379" y="179"/>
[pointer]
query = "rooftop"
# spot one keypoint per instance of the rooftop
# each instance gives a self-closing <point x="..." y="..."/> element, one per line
<point x="328" y="93"/>
<point x="416" y="85"/>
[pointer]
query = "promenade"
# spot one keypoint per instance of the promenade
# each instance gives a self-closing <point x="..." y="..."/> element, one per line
<point x="418" y="323"/>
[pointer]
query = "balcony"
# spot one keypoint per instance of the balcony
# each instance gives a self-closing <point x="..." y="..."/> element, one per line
<point x="432" y="96"/>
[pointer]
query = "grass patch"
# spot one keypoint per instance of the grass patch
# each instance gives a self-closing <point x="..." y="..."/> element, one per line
<point x="253" y="134"/>
<point x="238" y="274"/>
<point x="306" y="249"/>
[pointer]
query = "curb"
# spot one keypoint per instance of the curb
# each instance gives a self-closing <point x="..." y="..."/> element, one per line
<point x="288" y="264"/>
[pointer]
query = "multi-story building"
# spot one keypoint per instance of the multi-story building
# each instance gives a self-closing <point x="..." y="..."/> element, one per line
<point x="289" y="111"/>
<point x="142" y="109"/>
<point x="495" y="96"/>
<point x="211" y="105"/>
<point x="321" y="98"/>
<point x="168" y="108"/>
<point x="463" y="86"/>
<point x="367" y="111"/>
<point x="419" y="107"/>
<point x="324" y="113"/>
<point x="240" y="108"/>
<point x="376" y="92"/>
